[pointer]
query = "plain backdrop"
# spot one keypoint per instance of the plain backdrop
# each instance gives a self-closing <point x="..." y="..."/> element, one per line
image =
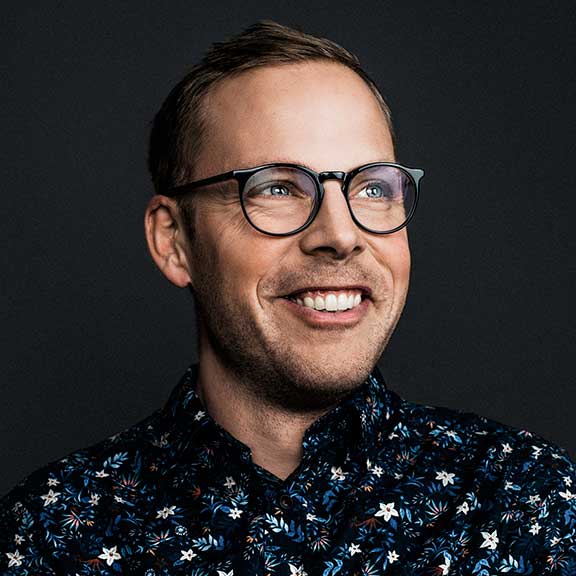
<point x="94" y="338"/>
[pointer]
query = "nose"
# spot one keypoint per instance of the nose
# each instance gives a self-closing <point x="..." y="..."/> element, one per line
<point x="333" y="233"/>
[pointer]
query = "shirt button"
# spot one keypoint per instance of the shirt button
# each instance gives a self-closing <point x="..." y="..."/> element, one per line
<point x="286" y="502"/>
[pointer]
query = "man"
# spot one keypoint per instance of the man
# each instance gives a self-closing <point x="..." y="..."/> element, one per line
<point x="281" y="205"/>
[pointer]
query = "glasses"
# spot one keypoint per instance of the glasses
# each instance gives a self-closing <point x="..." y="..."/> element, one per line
<point x="281" y="199"/>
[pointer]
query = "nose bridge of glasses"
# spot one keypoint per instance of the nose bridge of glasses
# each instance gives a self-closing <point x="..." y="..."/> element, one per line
<point x="331" y="175"/>
<point x="340" y="176"/>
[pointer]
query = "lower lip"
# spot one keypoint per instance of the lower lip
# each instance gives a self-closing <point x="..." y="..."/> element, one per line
<point x="343" y="319"/>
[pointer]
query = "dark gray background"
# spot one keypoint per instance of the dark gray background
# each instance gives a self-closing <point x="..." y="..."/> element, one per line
<point x="93" y="336"/>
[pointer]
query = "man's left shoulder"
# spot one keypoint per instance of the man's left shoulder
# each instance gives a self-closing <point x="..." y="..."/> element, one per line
<point x="472" y="439"/>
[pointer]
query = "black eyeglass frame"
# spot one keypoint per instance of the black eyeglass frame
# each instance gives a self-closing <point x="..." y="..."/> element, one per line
<point x="243" y="175"/>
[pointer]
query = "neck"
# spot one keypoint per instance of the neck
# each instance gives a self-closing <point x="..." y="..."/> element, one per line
<point x="274" y="436"/>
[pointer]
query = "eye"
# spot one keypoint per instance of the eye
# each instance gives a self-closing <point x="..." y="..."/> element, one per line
<point x="375" y="191"/>
<point x="275" y="190"/>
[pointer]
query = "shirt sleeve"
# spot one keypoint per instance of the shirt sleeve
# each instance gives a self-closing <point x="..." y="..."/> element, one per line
<point x="548" y="502"/>
<point x="21" y="552"/>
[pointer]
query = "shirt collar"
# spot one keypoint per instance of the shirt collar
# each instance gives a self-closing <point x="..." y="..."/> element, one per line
<point x="358" y="421"/>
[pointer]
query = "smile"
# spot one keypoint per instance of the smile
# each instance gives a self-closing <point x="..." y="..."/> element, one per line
<point x="328" y="300"/>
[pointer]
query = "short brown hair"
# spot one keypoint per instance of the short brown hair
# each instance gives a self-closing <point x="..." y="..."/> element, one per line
<point x="179" y="126"/>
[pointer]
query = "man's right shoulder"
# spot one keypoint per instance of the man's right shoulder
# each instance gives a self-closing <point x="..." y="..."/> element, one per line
<point x="67" y="493"/>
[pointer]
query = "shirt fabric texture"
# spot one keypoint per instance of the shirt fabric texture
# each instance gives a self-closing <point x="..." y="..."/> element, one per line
<point x="385" y="487"/>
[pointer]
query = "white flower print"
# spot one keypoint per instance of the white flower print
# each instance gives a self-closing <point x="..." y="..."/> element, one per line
<point x="535" y="528"/>
<point x="224" y="573"/>
<point x="120" y="500"/>
<point x="199" y="415"/>
<point x="229" y="482"/>
<point x="567" y="481"/>
<point x="109" y="554"/>
<point x="554" y="541"/>
<point x="392" y="556"/>
<point x="387" y="510"/>
<point x="188" y="554"/>
<point x="297" y="570"/>
<point x="234" y="513"/>
<point x="94" y="499"/>
<point x="15" y="558"/>
<point x="567" y="495"/>
<point x="506" y="448"/>
<point x="52" y="482"/>
<point x="464" y="508"/>
<point x="446" y="477"/>
<point x="534" y="498"/>
<point x="51" y="497"/>
<point x="490" y="540"/>
<point x="451" y="434"/>
<point x="537" y="450"/>
<point x="377" y="471"/>
<point x="310" y="517"/>
<point x="337" y="473"/>
<point x="102" y="474"/>
<point x="165" y="512"/>
<point x="354" y="549"/>
<point x="18" y="539"/>
<point x="446" y="566"/>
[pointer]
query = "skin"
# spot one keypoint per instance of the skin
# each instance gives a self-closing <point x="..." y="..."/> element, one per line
<point x="266" y="374"/>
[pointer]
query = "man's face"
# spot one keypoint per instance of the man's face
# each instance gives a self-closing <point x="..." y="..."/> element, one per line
<point x="324" y="116"/>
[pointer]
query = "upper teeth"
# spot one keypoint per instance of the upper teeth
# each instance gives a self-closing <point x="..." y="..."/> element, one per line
<point x="331" y="301"/>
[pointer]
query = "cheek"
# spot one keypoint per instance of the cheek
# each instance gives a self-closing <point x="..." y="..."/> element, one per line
<point x="402" y="263"/>
<point x="393" y="253"/>
<point x="240" y="259"/>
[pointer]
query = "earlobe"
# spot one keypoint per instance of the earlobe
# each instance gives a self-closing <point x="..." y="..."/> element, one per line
<point x="166" y="240"/>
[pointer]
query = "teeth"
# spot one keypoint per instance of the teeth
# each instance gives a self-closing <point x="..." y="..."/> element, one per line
<point x="308" y="302"/>
<point x="331" y="302"/>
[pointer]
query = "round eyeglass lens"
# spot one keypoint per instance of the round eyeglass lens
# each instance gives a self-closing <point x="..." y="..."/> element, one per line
<point x="382" y="197"/>
<point x="279" y="199"/>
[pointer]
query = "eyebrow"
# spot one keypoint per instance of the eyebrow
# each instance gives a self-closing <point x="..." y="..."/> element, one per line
<point x="284" y="160"/>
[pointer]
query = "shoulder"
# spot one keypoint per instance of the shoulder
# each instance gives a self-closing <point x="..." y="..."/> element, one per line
<point x="514" y="481"/>
<point x="470" y="437"/>
<point x="44" y="516"/>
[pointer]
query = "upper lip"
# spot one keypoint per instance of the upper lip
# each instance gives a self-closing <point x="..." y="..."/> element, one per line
<point x="366" y="291"/>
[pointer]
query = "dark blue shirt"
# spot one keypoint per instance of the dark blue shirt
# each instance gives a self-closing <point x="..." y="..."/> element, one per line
<point x="385" y="487"/>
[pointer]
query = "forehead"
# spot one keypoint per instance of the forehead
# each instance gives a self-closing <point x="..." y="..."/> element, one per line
<point x="317" y="113"/>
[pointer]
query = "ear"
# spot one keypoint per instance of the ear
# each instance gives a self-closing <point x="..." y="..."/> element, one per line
<point x="167" y="240"/>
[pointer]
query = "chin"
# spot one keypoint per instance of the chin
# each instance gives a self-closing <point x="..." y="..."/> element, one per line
<point x="317" y="383"/>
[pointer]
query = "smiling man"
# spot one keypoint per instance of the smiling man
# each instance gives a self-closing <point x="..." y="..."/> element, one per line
<point x="281" y="205"/>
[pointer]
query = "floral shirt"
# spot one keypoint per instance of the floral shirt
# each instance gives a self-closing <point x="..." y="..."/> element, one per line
<point x="385" y="487"/>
